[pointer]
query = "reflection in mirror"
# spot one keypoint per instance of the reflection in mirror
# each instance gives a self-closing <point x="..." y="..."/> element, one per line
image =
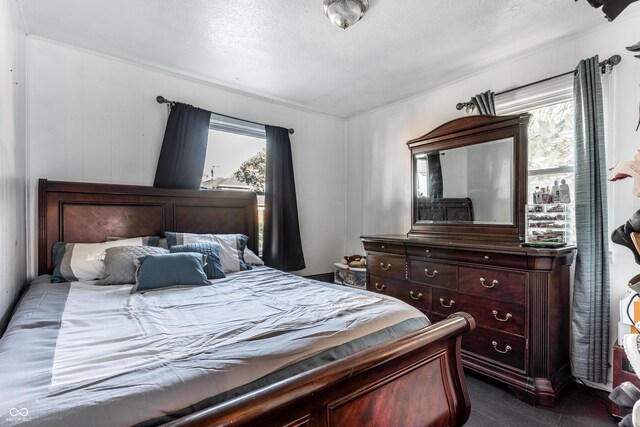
<point x="471" y="184"/>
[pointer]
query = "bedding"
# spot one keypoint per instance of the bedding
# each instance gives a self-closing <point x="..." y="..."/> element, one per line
<point x="232" y="247"/>
<point x="251" y="258"/>
<point x="170" y="271"/>
<point x="162" y="242"/>
<point x="81" y="354"/>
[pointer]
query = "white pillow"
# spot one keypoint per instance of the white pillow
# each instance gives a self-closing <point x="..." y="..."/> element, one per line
<point x="251" y="258"/>
<point x="85" y="261"/>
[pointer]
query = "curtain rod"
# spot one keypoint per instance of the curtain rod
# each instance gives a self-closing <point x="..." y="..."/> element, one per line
<point x="611" y="62"/>
<point x="162" y="100"/>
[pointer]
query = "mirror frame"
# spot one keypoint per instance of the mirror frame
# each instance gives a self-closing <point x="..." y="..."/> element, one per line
<point x="462" y="132"/>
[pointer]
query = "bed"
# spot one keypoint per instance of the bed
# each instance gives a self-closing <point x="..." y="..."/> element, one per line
<point x="403" y="372"/>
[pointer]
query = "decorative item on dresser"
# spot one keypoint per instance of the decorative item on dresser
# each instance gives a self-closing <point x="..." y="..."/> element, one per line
<point x="518" y="295"/>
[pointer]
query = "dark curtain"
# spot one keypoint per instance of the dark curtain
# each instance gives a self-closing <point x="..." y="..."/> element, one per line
<point x="485" y="103"/>
<point x="590" y="315"/>
<point x="184" y="148"/>
<point x="282" y="246"/>
<point x="434" y="168"/>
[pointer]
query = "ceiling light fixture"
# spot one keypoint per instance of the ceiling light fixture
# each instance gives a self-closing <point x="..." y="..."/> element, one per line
<point x="345" y="13"/>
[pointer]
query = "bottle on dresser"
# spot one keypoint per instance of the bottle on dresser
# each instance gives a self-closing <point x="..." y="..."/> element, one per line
<point x="555" y="192"/>
<point x="545" y="195"/>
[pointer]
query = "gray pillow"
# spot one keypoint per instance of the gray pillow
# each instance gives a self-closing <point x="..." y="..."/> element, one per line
<point x="165" y="271"/>
<point x="120" y="267"/>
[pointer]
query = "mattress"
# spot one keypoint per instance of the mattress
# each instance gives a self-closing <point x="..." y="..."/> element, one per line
<point x="78" y="354"/>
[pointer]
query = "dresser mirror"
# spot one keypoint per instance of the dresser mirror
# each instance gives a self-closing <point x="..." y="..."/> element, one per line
<point x="469" y="179"/>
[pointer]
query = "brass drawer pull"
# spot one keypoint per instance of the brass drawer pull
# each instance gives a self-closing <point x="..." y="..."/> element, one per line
<point x="387" y="268"/>
<point x="506" y="350"/>
<point x="415" y="297"/>
<point x="427" y="252"/>
<point x="492" y="285"/>
<point x="451" y="303"/>
<point x="487" y="257"/>
<point x="507" y="317"/>
<point x="380" y="287"/>
<point x="434" y="274"/>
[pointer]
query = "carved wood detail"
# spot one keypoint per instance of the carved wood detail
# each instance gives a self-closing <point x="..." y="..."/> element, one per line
<point x="371" y="402"/>
<point x="539" y="330"/>
<point x="303" y="421"/>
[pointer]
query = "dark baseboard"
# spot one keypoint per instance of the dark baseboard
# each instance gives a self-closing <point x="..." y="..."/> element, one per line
<point x="323" y="277"/>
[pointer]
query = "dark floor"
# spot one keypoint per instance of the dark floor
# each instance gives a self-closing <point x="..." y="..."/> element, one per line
<point x="493" y="405"/>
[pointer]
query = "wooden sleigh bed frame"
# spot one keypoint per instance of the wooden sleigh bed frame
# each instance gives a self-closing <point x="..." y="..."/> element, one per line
<point x="415" y="380"/>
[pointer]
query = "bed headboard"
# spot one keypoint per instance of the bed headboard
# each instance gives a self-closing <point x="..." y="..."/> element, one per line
<point x="87" y="213"/>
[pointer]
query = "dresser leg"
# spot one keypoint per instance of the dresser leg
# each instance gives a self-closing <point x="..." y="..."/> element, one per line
<point x="545" y="394"/>
<point x="542" y="394"/>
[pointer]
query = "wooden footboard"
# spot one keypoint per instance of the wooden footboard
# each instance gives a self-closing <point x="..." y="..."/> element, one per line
<point x="415" y="380"/>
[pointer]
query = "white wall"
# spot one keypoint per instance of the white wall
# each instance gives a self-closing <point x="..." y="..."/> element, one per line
<point x="12" y="157"/>
<point x="94" y="118"/>
<point x="379" y="183"/>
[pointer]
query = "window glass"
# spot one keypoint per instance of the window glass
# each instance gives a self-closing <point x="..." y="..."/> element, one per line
<point x="551" y="136"/>
<point x="551" y="147"/>
<point x="237" y="162"/>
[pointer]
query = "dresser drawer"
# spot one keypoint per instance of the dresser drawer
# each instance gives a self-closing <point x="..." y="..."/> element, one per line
<point x="389" y="266"/>
<point x="416" y="295"/>
<point x="391" y="248"/>
<point x="505" y="317"/>
<point x="433" y="273"/>
<point x="492" y="259"/>
<point x="430" y="252"/>
<point x="492" y="284"/>
<point x="498" y="346"/>
<point x="488" y="258"/>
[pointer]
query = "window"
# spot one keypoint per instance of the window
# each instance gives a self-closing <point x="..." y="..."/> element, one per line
<point x="236" y="160"/>
<point x="551" y="146"/>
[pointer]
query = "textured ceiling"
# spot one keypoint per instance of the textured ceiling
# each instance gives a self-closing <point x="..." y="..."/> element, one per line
<point x="288" y="50"/>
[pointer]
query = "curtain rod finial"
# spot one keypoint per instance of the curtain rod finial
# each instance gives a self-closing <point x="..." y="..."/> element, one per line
<point x="161" y="99"/>
<point x="291" y="131"/>
<point x="615" y="60"/>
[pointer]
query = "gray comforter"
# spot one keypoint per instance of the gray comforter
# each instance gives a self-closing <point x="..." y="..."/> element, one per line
<point x="85" y="355"/>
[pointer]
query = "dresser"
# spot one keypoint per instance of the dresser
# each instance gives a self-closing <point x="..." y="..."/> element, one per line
<point x="518" y="296"/>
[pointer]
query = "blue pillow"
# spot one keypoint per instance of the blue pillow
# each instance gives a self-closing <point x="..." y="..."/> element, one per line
<point x="164" y="271"/>
<point x="232" y="247"/>
<point x="211" y="251"/>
